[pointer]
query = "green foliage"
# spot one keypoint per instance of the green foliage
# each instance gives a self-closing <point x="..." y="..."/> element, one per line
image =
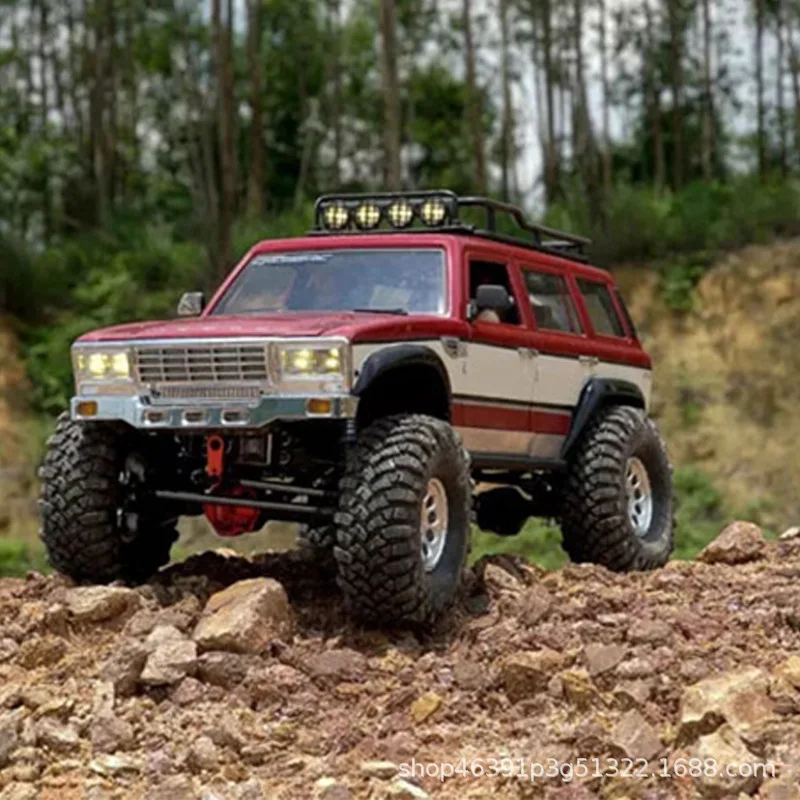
<point x="539" y="542"/>
<point x="700" y="513"/>
<point x="643" y="224"/>
<point x="678" y="282"/>
<point x="17" y="558"/>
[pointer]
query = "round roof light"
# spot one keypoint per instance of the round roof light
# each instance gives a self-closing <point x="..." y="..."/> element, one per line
<point x="433" y="212"/>
<point x="336" y="217"/>
<point x="401" y="214"/>
<point x="368" y="216"/>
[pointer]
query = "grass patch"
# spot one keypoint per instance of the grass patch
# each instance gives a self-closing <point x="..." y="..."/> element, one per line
<point x="18" y="558"/>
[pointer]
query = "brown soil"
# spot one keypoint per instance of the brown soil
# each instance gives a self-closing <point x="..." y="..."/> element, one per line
<point x="504" y="676"/>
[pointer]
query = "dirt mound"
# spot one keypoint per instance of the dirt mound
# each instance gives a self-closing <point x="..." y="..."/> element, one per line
<point x="264" y="690"/>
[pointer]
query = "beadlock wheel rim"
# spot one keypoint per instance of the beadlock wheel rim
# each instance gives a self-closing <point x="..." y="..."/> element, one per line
<point x="434" y="518"/>
<point x="640" y="497"/>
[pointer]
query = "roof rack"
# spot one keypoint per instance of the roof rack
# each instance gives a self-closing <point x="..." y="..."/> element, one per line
<point x="438" y="211"/>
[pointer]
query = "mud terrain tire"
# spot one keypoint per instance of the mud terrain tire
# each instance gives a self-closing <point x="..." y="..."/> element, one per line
<point x="81" y="494"/>
<point x="399" y="464"/>
<point x="317" y="543"/>
<point x="596" y="520"/>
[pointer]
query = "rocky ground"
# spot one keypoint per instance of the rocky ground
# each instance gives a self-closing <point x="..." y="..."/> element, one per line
<point x="236" y="678"/>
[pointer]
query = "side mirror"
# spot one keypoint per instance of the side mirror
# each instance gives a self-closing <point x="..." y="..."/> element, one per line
<point x="191" y="304"/>
<point x="492" y="297"/>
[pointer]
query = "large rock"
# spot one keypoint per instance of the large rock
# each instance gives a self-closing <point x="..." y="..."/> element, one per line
<point x="739" y="543"/>
<point x="636" y="737"/>
<point x="227" y="670"/>
<point x="341" y="664"/>
<point x="42" y="651"/>
<point x="56" y="736"/>
<point x="172" y="657"/>
<point x="649" y="631"/>
<point x="789" y="670"/>
<point x="124" y="666"/>
<point x="100" y="603"/>
<point x="527" y="673"/>
<point x="601" y="658"/>
<point x="9" y="735"/>
<point x="738" y="698"/>
<point x="246" y="617"/>
<point x="725" y="748"/>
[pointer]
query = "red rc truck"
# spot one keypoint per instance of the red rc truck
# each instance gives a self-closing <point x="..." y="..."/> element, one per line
<point x="361" y="381"/>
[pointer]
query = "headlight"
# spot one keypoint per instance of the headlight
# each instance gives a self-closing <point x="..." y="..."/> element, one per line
<point x="102" y="365"/>
<point x="308" y="362"/>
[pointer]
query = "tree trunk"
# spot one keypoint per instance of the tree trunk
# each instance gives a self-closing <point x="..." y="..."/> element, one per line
<point x="221" y="32"/>
<point x="794" y="65"/>
<point x="708" y="96"/>
<point x="507" y="131"/>
<point x="391" y="95"/>
<point x="761" y="134"/>
<point x="653" y="99"/>
<point x="47" y="203"/>
<point x="676" y="82"/>
<point x="333" y="83"/>
<point x="779" y="93"/>
<point x="255" y="178"/>
<point x="474" y="104"/>
<point x="552" y="167"/>
<point x="608" y="176"/>
<point x="583" y="134"/>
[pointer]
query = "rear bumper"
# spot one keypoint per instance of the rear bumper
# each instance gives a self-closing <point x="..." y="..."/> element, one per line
<point x="142" y="414"/>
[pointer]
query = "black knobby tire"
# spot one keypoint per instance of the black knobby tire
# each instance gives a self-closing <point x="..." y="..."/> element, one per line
<point x="595" y="522"/>
<point x="80" y="499"/>
<point x="380" y="565"/>
<point x="317" y="543"/>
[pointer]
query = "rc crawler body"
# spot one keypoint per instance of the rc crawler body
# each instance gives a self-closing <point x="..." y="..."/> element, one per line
<point x="383" y="381"/>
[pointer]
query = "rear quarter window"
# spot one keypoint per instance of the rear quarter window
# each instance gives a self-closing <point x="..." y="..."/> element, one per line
<point x="601" y="308"/>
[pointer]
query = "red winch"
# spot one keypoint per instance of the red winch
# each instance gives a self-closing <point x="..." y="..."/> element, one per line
<point x="228" y="521"/>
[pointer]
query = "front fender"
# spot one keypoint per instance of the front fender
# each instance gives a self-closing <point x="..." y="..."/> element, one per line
<point x="392" y="357"/>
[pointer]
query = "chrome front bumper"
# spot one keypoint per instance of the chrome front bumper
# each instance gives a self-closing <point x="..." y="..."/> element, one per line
<point x="139" y="413"/>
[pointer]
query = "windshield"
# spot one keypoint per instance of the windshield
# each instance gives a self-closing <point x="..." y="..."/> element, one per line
<point x="395" y="281"/>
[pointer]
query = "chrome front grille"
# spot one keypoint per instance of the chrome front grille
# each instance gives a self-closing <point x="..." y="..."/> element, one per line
<point x="214" y="392"/>
<point x="202" y="364"/>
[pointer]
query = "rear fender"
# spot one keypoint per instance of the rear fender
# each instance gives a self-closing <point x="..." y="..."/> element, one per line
<point x="599" y="393"/>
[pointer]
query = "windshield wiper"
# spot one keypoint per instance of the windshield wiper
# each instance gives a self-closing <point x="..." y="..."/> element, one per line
<point x="398" y="312"/>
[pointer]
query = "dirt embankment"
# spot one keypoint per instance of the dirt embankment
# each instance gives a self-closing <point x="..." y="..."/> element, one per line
<point x="176" y="691"/>
<point x="726" y="372"/>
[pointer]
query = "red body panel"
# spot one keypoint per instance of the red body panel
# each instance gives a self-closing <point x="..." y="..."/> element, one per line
<point x="380" y="328"/>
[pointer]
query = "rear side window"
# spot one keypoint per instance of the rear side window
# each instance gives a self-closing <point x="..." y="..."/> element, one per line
<point x="627" y="315"/>
<point x="602" y="311"/>
<point x="551" y="302"/>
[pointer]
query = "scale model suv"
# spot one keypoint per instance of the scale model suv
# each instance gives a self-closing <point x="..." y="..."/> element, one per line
<point x="384" y="381"/>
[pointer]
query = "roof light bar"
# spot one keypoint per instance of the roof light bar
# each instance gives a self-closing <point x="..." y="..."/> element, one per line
<point x="367" y="212"/>
<point x="437" y="210"/>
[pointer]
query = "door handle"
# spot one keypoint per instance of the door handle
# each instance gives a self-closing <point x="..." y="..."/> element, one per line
<point x="589" y="361"/>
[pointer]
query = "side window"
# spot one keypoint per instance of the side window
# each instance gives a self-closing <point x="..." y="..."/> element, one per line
<point x="489" y="272"/>
<point x="601" y="309"/>
<point x="627" y="314"/>
<point x="551" y="302"/>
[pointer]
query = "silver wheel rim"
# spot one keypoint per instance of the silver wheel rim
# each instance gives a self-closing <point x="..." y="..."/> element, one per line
<point x="640" y="497"/>
<point x="434" y="519"/>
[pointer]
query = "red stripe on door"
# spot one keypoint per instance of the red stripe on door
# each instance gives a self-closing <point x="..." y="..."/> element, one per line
<point x="502" y="418"/>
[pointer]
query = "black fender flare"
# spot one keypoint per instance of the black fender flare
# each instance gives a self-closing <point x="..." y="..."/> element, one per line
<point x="597" y="394"/>
<point x="393" y="357"/>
